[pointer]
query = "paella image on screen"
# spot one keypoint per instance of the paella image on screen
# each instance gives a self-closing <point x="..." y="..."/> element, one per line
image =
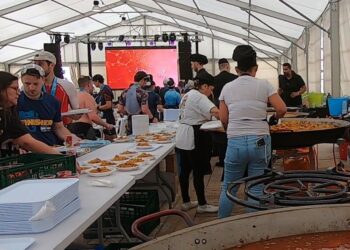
<point x="123" y="62"/>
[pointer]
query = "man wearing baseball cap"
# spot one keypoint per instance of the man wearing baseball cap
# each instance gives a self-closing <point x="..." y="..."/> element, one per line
<point x="64" y="91"/>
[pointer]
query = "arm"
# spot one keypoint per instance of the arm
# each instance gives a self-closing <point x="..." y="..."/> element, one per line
<point x="223" y="114"/>
<point x="29" y="143"/>
<point x="108" y="105"/>
<point x="91" y="104"/>
<point x="215" y="112"/>
<point x="61" y="131"/>
<point x="277" y="102"/>
<point x="145" y="110"/>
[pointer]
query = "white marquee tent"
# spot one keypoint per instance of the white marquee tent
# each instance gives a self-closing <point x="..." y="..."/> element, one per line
<point x="312" y="35"/>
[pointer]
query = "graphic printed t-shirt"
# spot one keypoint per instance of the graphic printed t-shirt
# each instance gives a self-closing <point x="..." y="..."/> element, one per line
<point x="39" y="117"/>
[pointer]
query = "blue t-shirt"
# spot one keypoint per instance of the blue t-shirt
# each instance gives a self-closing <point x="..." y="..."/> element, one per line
<point x="172" y="99"/>
<point x="39" y="116"/>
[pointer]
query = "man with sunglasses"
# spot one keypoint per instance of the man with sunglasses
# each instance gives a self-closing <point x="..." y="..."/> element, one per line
<point x="64" y="91"/>
<point x="39" y="111"/>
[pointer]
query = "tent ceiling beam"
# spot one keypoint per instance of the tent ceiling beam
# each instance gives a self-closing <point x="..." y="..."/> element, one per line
<point x="20" y="6"/>
<point x="267" y="25"/>
<point x="77" y="39"/>
<point x="206" y="34"/>
<point x="205" y="20"/>
<point x="268" y="44"/>
<point x="58" y="24"/>
<point x="59" y="3"/>
<point x="185" y="19"/>
<point x="267" y="12"/>
<point x="223" y="19"/>
<point x="304" y="16"/>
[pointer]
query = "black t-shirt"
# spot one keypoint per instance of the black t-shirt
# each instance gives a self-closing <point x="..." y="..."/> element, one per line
<point x="220" y="81"/>
<point x="291" y="85"/>
<point x="153" y="101"/>
<point x="106" y="94"/>
<point x="10" y="128"/>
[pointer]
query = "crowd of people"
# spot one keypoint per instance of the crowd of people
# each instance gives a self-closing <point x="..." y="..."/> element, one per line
<point x="31" y="117"/>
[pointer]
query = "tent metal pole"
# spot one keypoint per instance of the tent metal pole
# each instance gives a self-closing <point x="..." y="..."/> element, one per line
<point x="335" y="48"/>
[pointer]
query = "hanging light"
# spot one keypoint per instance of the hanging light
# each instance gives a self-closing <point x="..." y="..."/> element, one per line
<point x="66" y="38"/>
<point x="121" y="38"/>
<point x="128" y="43"/>
<point x="185" y="36"/>
<point x="96" y="6"/>
<point x="58" y="38"/>
<point x="172" y="37"/>
<point x="93" y="46"/>
<point x="156" y="38"/>
<point x="100" y="45"/>
<point x="123" y="21"/>
<point x="165" y="37"/>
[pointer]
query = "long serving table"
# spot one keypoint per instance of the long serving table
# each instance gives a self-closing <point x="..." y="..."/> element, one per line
<point x="109" y="151"/>
<point x="94" y="202"/>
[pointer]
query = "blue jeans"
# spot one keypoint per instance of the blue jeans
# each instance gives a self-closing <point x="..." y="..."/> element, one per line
<point x="243" y="154"/>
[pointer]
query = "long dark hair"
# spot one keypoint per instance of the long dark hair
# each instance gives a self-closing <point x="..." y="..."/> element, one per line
<point x="6" y="80"/>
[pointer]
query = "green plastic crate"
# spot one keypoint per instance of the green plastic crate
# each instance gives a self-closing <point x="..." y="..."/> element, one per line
<point x="31" y="166"/>
<point x="133" y="205"/>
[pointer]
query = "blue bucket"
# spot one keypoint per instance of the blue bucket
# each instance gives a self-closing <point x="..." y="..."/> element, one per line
<point x="338" y="106"/>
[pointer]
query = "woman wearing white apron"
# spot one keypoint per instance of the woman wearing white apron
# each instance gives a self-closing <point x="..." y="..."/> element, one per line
<point x="194" y="145"/>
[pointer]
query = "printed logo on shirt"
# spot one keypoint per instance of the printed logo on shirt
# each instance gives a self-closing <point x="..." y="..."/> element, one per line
<point x="32" y="121"/>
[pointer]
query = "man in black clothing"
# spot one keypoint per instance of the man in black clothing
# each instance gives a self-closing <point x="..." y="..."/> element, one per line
<point x="219" y="138"/>
<point x="291" y="86"/>
<point x="222" y="78"/>
<point x="197" y="63"/>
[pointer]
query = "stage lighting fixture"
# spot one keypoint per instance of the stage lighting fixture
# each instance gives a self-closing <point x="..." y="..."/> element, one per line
<point x="156" y="38"/>
<point x="185" y="36"/>
<point x="128" y="43"/>
<point x="172" y="37"/>
<point x="96" y="6"/>
<point x="66" y="39"/>
<point x="121" y="38"/>
<point x="58" y="38"/>
<point x="134" y="37"/>
<point x="165" y="37"/>
<point x="93" y="46"/>
<point x="100" y="45"/>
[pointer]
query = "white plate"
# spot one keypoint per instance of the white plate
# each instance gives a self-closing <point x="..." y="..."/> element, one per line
<point x="127" y="169"/>
<point x="16" y="243"/>
<point x="76" y="112"/>
<point x="84" y="171"/>
<point x="103" y="173"/>
<point x="120" y="140"/>
<point x="163" y="142"/>
<point x="144" y="147"/>
<point x="212" y="125"/>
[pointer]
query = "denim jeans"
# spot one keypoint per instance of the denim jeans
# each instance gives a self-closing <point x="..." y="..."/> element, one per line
<point x="243" y="154"/>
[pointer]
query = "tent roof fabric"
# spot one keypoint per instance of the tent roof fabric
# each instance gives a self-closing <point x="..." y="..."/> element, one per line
<point x="27" y="24"/>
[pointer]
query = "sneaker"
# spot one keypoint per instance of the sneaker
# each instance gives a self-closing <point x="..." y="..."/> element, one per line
<point x="207" y="209"/>
<point x="188" y="205"/>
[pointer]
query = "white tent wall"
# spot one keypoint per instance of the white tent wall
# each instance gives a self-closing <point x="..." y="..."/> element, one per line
<point x="314" y="69"/>
<point x="344" y="28"/>
<point x="327" y="75"/>
<point x="301" y="59"/>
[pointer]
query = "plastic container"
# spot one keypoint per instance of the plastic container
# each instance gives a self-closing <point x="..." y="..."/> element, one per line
<point x="315" y="99"/>
<point x="32" y="166"/>
<point x="337" y="106"/>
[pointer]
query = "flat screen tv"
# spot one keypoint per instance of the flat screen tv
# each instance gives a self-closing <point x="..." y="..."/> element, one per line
<point x="123" y="62"/>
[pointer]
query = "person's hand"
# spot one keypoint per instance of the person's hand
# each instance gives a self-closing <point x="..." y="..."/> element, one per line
<point x="294" y="94"/>
<point x="75" y="139"/>
<point x="109" y="126"/>
<point x="155" y="120"/>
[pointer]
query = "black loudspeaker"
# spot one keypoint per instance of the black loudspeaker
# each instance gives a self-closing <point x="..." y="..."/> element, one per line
<point x="184" y="49"/>
<point x="55" y="49"/>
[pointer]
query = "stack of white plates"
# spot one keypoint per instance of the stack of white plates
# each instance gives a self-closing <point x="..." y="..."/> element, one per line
<point x="22" y="200"/>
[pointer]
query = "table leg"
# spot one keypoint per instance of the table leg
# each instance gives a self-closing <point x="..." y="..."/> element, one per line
<point x="160" y="182"/>
<point x="100" y="230"/>
<point x="118" y="221"/>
